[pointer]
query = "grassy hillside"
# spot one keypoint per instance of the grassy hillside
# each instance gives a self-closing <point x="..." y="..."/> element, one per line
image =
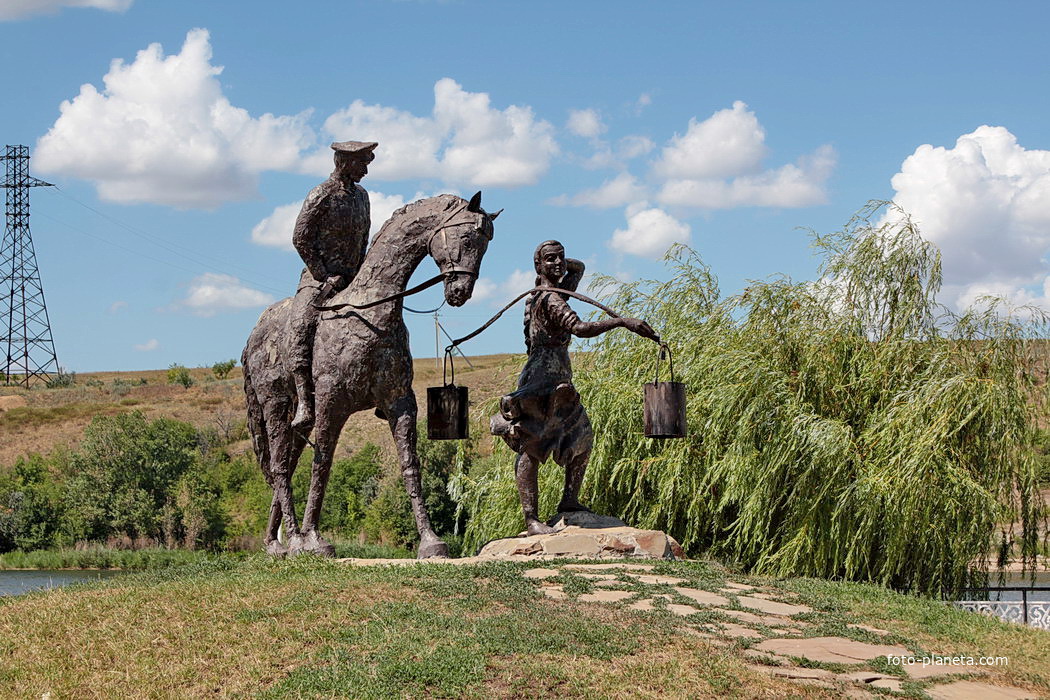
<point x="56" y="418"/>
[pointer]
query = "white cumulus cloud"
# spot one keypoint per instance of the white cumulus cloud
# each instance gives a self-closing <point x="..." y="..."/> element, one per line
<point x="793" y="185"/>
<point x="151" y="344"/>
<point x="465" y="140"/>
<point x="719" y="164"/>
<point x="18" y="9"/>
<point x="620" y="191"/>
<point x="986" y="203"/>
<point x="650" y="232"/>
<point x="585" y="123"/>
<point x="729" y="142"/>
<point x="381" y="206"/>
<point x="276" y="229"/>
<point x="162" y="131"/>
<point x="212" y="293"/>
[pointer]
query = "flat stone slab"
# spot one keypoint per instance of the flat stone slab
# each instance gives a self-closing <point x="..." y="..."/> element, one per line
<point x="554" y="592"/>
<point x="772" y="607"/>
<point x="540" y="573"/>
<point x="738" y="586"/>
<point x="702" y="597"/>
<point x="584" y="543"/>
<point x="657" y="579"/>
<point x="794" y="673"/>
<point x="767" y="620"/>
<point x="830" y="649"/>
<point x="584" y="519"/>
<point x="605" y="596"/>
<point x="731" y="629"/>
<point x="596" y="577"/>
<point x="967" y="690"/>
<point x="920" y="672"/>
<point x="873" y="678"/>
<point x="681" y="610"/>
<point x="643" y="605"/>
<point x="868" y="628"/>
<point x="608" y="567"/>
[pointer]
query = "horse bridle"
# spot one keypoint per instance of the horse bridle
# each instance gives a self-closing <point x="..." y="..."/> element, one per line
<point x="453" y="270"/>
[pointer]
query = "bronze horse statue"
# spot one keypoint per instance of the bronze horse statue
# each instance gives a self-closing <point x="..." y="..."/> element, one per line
<point x="361" y="360"/>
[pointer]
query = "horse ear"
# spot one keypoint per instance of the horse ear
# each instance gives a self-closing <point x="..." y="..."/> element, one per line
<point x="475" y="203"/>
<point x="492" y="217"/>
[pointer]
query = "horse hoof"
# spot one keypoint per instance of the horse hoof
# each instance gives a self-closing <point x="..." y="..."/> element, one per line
<point x="535" y="527"/>
<point x="276" y="550"/>
<point x="314" y="543"/>
<point x="296" y="545"/>
<point x="431" y="549"/>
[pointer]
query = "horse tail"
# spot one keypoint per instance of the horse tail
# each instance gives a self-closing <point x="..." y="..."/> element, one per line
<point x="256" y="422"/>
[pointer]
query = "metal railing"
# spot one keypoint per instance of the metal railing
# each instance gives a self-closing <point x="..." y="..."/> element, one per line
<point x="1035" y="613"/>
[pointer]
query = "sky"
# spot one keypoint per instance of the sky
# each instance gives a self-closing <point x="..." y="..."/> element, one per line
<point x="183" y="137"/>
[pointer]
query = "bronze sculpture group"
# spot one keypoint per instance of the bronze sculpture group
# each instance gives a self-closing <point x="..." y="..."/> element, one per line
<point x="340" y="346"/>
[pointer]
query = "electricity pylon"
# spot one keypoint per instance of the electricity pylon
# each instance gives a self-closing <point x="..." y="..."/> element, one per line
<point x="27" y="349"/>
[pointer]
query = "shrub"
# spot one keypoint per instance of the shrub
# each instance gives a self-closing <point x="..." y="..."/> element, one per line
<point x="61" y="379"/>
<point x="177" y="374"/>
<point x="124" y="474"/>
<point x="30" y="506"/>
<point x="221" y="370"/>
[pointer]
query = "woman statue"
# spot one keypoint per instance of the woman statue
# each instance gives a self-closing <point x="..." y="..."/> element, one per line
<point x="544" y="417"/>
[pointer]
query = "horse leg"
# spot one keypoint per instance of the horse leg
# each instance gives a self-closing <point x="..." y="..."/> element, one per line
<point x="273" y="526"/>
<point x="329" y="421"/>
<point x="402" y="418"/>
<point x="261" y="445"/>
<point x="282" y="445"/>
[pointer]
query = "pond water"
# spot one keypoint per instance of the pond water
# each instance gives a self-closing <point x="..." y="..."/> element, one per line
<point x="18" y="582"/>
<point x="1040" y="592"/>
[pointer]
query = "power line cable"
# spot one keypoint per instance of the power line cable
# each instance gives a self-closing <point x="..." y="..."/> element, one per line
<point x="173" y="248"/>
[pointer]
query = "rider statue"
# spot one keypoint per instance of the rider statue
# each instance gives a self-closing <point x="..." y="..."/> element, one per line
<point x="331" y="235"/>
<point x="544" y="417"/>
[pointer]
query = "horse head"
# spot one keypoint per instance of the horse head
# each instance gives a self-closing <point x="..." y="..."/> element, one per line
<point x="458" y="245"/>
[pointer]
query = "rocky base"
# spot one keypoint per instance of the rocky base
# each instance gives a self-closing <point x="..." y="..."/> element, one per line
<point x="583" y="542"/>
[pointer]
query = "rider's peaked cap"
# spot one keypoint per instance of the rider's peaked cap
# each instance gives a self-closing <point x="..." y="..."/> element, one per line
<point x="359" y="148"/>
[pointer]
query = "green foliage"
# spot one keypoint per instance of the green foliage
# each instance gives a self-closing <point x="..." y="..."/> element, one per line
<point x="61" y="379"/>
<point x="1042" y="463"/>
<point x="30" y="505"/>
<point x="388" y="517"/>
<point x="844" y="428"/>
<point x="102" y="558"/>
<point x="124" y="473"/>
<point x="177" y="374"/>
<point x="221" y="370"/>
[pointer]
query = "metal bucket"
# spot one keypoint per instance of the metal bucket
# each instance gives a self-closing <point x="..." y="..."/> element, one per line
<point x="448" y="408"/>
<point x="664" y="407"/>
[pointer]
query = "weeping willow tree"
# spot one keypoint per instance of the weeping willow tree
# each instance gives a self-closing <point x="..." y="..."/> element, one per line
<point x="845" y="428"/>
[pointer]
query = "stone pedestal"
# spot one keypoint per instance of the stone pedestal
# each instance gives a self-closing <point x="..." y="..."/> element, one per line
<point x="586" y="536"/>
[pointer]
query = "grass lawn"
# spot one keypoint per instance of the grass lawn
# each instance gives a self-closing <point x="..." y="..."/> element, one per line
<point x="316" y="628"/>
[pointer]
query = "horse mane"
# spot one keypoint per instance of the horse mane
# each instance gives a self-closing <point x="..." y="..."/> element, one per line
<point x="413" y="211"/>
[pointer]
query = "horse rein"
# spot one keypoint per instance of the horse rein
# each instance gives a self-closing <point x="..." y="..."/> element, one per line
<point x="455" y="269"/>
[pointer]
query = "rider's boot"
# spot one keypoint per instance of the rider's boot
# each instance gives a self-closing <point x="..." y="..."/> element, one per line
<point x="304" y="392"/>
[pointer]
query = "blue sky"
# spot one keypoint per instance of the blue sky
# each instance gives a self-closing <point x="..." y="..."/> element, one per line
<point x="617" y="128"/>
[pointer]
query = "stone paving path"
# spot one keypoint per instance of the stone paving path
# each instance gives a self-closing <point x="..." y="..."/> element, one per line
<point x="764" y="626"/>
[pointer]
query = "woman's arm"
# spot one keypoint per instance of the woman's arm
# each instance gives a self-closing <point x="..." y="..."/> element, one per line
<point x="590" y="329"/>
